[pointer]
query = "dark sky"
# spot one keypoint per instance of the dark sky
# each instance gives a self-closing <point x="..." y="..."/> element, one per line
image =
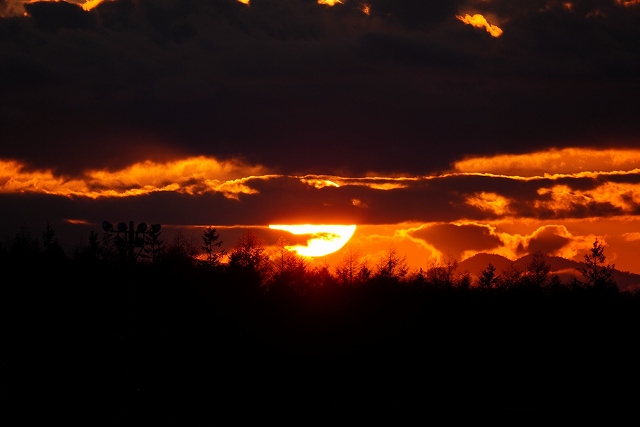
<point x="289" y="88"/>
<point x="302" y="87"/>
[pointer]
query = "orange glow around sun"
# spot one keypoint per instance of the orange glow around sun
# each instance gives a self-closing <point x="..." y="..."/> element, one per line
<point x="324" y="239"/>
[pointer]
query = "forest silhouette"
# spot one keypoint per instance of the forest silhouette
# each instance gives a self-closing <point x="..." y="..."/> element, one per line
<point x="179" y="332"/>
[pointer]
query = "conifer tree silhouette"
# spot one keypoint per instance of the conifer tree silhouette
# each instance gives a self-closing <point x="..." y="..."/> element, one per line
<point x="211" y="240"/>
<point x="596" y="273"/>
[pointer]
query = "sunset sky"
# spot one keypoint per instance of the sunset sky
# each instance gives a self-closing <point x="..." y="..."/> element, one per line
<point x="442" y="128"/>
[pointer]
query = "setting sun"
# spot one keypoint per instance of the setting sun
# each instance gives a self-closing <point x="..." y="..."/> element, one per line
<point x="323" y="239"/>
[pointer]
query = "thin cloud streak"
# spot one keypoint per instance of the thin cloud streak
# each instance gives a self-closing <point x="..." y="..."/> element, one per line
<point x="554" y="163"/>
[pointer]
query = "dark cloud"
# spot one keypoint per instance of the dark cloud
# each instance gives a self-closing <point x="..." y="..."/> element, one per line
<point x="456" y="239"/>
<point x="415" y="13"/>
<point x="548" y="241"/>
<point x="54" y="16"/>
<point x="303" y="87"/>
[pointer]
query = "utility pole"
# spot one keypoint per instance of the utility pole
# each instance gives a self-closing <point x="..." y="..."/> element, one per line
<point x="127" y="239"/>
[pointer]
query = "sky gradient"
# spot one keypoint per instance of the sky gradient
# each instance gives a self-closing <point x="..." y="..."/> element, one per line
<point x="443" y="128"/>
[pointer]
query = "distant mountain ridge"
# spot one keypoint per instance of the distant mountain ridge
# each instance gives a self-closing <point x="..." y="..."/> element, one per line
<point x="566" y="269"/>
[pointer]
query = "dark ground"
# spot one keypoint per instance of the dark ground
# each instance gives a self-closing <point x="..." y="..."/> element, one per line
<point x="193" y="352"/>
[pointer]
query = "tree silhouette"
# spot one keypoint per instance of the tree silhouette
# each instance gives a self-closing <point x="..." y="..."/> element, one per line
<point x="211" y="240"/>
<point x="280" y="259"/>
<point x="24" y="246"/>
<point x="596" y="273"/>
<point x="287" y="267"/>
<point x="154" y="245"/>
<point x="52" y="250"/>
<point x="181" y="251"/>
<point x="364" y="273"/>
<point x="349" y="267"/>
<point x="488" y="279"/>
<point x="512" y="276"/>
<point x="249" y="258"/>
<point x="49" y="236"/>
<point x="312" y="332"/>
<point x="443" y="274"/>
<point x="536" y="273"/>
<point x="320" y="275"/>
<point x="88" y="252"/>
<point x="392" y="266"/>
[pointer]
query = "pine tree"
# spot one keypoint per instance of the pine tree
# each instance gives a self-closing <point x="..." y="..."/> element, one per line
<point x="250" y="257"/>
<point x="52" y="251"/>
<point x="392" y="265"/>
<point x="350" y="265"/>
<point x="537" y="271"/>
<point x="210" y="237"/>
<point x="488" y="278"/>
<point x="596" y="273"/>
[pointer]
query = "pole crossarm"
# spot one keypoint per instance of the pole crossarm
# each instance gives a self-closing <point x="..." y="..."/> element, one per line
<point x="128" y="237"/>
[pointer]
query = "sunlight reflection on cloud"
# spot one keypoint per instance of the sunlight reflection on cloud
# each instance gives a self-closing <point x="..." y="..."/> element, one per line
<point x="191" y="176"/>
<point x="549" y="162"/>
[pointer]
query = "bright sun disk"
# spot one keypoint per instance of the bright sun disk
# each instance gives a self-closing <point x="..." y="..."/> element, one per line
<point x="324" y="239"/>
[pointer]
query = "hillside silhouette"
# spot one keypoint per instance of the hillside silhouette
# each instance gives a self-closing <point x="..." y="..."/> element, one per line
<point x="175" y="338"/>
<point x="566" y="269"/>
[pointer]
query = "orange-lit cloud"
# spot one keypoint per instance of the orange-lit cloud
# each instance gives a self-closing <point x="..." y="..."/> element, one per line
<point x="329" y="2"/>
<point x="627" y="3"/>
<point x="631" y="237"/>
<point x="319" y="183"/>
<point x="90" y="4"/>
<point x="14" y="179"/>
<point x="453" y="238"/>
<point x="378" y="183"/>
<point x="194" y="175"/>
<point x="479" y="21"/>
<point x="550" y="162"/>
<point x="622" y="196"/>
<point x="554" y="240"/>
<point x="78" y="221"/>
<point x="358" y="203"/>
<point x="365" y="8"/>
<point x="491" y="202"/>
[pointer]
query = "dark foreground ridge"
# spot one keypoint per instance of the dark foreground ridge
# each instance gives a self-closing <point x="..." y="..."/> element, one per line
<point x="101" y="340"/>
<point x="147" y="345"/>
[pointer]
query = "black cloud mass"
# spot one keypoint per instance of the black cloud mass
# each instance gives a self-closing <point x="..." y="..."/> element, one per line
<point x="300" y="86"/>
